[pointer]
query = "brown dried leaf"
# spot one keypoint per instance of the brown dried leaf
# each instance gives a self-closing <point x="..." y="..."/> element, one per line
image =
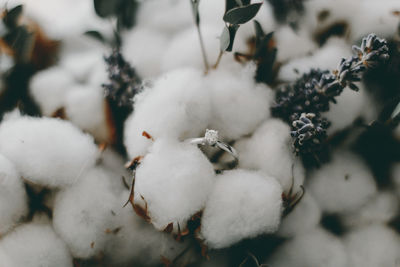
<point x="147" y="135"/>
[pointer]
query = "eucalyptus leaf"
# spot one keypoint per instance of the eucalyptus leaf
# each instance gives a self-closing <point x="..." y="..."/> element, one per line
<point x="396" y="112"/>
<point x="127" y="13"/>
<point x="241" y="15"/>
<point x="96" y="35"/>
<point x="227" y="37"/>
<point x="230" y="4"/>
<point x="105" y="8"/>
<point x="11" y="16"/>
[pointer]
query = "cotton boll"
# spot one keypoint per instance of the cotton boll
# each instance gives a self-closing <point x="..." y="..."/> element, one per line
<point x="85" y="107"/>
<point x="285" y="37"/>
<point x="36" y="245"/>
<point x="135" y="242"/>
<point x="304" y="217"/>
<point x="13" y="199"/>
<point x="184" y="49"/>
<point x="350" y="106"/>
<point x="48" y="88"/>
<point x="83" y="213"/>
<point x="140" y="39"/>
<point x="381" y="209"/>
<point x="174" y="180"/>
<point x="239" y="105"/>
<point x="313" y="248"/>
<point x="344" y="185"/>
<point x="161" y="15"/>
<point x="269" y="150"/>
<point x="177" y="106"/>
<point x="326" y="58"/>
<point x="374" y="245"/>
<point x="46" y="151"/>
<point x="243" y="204"/>
<point x="211" y="13"/>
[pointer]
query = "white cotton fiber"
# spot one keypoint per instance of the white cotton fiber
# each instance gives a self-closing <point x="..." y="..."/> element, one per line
<point x="85" y="107"/>
<point x="83" y="212"/>
<point x="372" y="246"/>
<point x="36" y="245"/>
<point x="47" y="151"/>
<point x="177" y="106"/>
<point x="140" y="39"/>
<point x="350" y="106"/>
<point x="380" y="209"/>
<point x="174" y="179"/>
<point x="134" y="242"/>
<point x="304" y="217"/>
<point x="184" y="49"/>
<point x="239" y="105"/>
<point x="325" y="58"/>
<point x="313" y="248"/>
<point x="343" y="185"/>
<point x="13" y="199"/>
<point x="49" y="87"/>
<point x="5" y="260"/>
<point x="269" y="150"/>
<point x="243" y="204"/>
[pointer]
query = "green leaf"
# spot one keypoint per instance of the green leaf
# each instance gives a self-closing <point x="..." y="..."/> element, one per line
<point x="105" y="8"/>
<point x="11" y="16"/>
<point x="227" y="37"/>
<point x="127" y="13"/>
<point x="229" y="4"/>
<point x="96" y="35"/>
<point x="396" y="111"/>
<point x="241" y="15"/>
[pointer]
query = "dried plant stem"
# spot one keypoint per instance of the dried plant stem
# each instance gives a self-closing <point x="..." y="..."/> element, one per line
<point x="218" y="59"/>
<point x="203" y="49"/>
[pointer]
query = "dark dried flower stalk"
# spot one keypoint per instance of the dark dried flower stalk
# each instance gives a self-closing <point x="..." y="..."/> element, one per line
<point x="301" y="103"/>
<point x="124" y="82"/>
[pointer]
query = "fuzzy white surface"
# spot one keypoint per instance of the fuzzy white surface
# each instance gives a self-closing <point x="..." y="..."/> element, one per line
<point x="344" y="185"/>
<point x="47" y="151"/>
<point x="243" y="204"/>
<point x="83" y="213"/>
<point x="13" y="199"/>
<point x="313" y="248"/>
<point x="176" y="106"/>
<point x="174" y="179"/>
<point x="36" y="245"/>
<point x="374" y="245"/>
<point x="269" y="150"/>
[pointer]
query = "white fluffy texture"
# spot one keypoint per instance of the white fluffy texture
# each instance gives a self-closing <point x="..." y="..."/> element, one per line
<point x="36" y="245"/>
<point x="140" y="39"/>
<point x="47" y="151"/>
<point x="372" y="246"/>
<point x="83" y="213"/>
<point x="85" y="107"/>
<point x="381" y="209"/>
<point x="268" y="150"/>
<point x="174" y="179"/>
<point x="167" y="16"/>
<point x="137" y="243"/>
<point x="285" y="37"/>
<point x="305" y="216"/>
<point x="326" y="58"/>
<point x="51" y="16"/>
<point x="243" y="204"/>
<point x="49" y="87"/>
<point x="13" y="199"/>
<point x="350" y="106"/>
<point x="177" y="106"/>
<point x="314" y="248"/>
<point x="184" y="49"/>
<point x="239" y="105"/>
<point x="343" y="185"/>
<point x="5" y="260"/>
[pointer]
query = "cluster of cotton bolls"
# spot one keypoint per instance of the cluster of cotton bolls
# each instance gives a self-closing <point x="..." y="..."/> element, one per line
<point x="63" y="186"/>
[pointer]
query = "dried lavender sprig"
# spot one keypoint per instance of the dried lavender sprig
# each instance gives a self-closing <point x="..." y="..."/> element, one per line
<point x="124" y="82"/>
<point x="301" y="104"/>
